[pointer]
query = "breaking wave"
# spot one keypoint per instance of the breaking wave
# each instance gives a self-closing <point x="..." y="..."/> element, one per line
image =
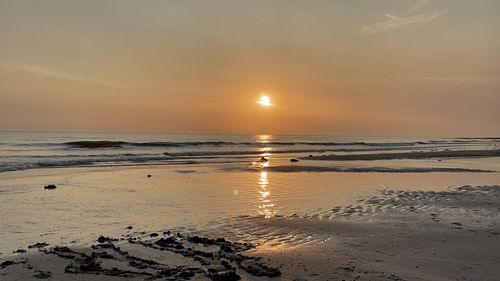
<point x="118" y="144"/>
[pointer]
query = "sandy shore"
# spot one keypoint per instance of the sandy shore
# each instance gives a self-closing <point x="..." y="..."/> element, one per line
<point x="392" y="235"/>
<point x="311" y="168"/>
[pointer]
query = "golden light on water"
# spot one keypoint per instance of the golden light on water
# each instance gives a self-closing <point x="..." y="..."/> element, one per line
<point x="266" y="208"/>
<point x="263" y="138"/>
<point x="263" y="179"/>
<point x="265" y="101"/>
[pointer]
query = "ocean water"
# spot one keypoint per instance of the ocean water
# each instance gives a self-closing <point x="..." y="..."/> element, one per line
<point x="32" y="150"/>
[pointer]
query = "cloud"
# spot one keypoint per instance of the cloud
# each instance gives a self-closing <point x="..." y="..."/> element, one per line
<point x="49" y="73"/>
<point x="396" y="22"/>
<point x="419" y="5"/>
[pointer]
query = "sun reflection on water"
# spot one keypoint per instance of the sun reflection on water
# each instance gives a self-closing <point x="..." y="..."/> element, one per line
<point x="263" y="138"/>
<point x="265" y="207"/>
<point x="266" y="149"/>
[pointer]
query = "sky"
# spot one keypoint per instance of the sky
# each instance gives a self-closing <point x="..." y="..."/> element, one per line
<point x="347" y="68"/>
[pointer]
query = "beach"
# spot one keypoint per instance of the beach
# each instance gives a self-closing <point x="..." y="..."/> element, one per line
<point x="223" y="215"/>
<point x="249" y="140"/>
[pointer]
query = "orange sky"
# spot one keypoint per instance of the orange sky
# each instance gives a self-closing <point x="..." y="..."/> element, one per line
<point x="419" y="68"/>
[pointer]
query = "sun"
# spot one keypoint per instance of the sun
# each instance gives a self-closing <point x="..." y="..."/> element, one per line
<point x="264" y="101"/>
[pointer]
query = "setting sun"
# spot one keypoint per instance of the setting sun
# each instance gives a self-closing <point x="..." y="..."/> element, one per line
<point x="264" y="101"/>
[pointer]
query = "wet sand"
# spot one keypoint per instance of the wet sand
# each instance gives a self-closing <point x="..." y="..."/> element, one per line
<point x="390" y="235"/>
<point x="401" y="235"/>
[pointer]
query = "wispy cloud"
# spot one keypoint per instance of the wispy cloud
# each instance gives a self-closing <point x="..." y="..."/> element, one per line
<point x="396" y="22"/>
<point x="53" y="74"/>
<point x="419" y="5"/>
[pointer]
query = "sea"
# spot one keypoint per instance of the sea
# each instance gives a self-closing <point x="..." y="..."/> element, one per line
<point x="34" y="150"/>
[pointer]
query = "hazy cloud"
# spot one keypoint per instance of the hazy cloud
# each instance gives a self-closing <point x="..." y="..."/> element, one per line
<point x="396" y="22"/>
<point x="419" y="5"/>
<point x="49" y="73"/>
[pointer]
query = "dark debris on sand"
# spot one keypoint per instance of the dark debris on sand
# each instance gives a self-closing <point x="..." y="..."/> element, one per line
<point x="216" y="258"/>
<point x="218" y="265"/>
<point x="103" y="239"/>
<point x="38" y="245"/>
<point x="6" y="263"/>
<point x="9" y="263"/>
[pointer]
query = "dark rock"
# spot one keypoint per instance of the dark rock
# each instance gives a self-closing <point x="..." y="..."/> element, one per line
<point x="203" y="254"/>
<point x="294" y="160"/>
<point x="200" y="240"/>
<point x="259" y="269"/>
<point x="38" y="245"/>
<point x="50" y="186"/>
<point x="130" y="227"/>
<point x="18" y="251"/>
<point x="154" y="234"/>
<point x="87" y="264"/>
<point x="169" y="242"/>
<point x="6" y="263"/>
<point x="226" y="248"/>
<point x="263" y="159"/>
<point x="62" y="249"/>
<point x="206" y="240"/>
<point x="105" y="255"/>
<point x="149" y="176"/>
<point x="63" y="252"/>
<point x="220" y="240"/>
<point x="103" y="239"/>
<point x="112" y="246"/>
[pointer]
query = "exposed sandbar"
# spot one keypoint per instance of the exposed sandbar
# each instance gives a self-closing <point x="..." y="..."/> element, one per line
<point x="409" y="155"/>
<point x="318" y="169"/>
